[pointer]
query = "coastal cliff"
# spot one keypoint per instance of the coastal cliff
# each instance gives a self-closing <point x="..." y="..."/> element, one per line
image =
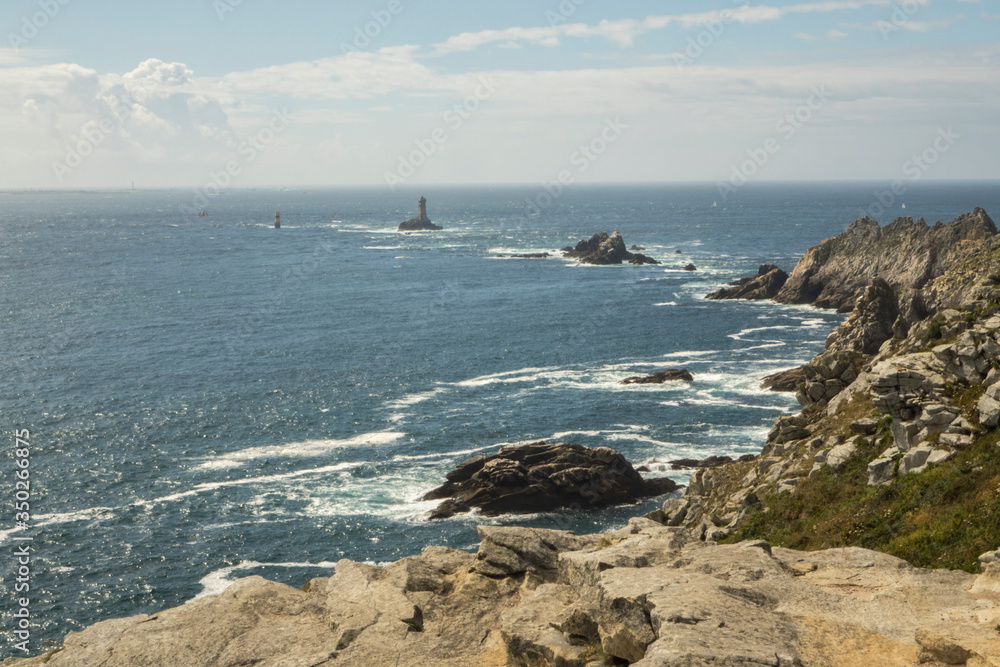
<point x="815" y="552"/>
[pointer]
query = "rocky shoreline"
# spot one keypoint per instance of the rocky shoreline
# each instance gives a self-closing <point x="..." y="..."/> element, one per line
<point x="896" y="447"/>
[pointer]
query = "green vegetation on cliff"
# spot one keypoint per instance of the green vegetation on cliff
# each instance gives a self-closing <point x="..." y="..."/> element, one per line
<point x="944" y="517"/>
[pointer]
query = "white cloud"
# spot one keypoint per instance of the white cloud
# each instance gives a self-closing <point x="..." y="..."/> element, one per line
<point x="623" y="32"/>
<point x="830" y="36"/>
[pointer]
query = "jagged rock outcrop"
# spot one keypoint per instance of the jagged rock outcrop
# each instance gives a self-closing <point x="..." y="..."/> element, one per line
<point x="903" y="359"/>
<point x="669" y="375"/>
<point x="603" y="249"/>
<point x="871" y="321"/>
<point x="905" y="253"/>
<point x="827" y="375"/>
<point x="765" y="285"/>
<point x="541" y="477"/>
<point x="647" y="595"/>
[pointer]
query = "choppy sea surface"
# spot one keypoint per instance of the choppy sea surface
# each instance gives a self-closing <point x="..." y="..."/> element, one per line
<point x="210" y="398"/>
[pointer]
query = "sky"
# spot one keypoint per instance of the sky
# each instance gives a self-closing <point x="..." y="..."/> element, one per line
<point x="250" y="93"/>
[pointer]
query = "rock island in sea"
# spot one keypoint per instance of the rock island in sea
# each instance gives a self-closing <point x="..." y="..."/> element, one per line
<point x="760" y="562"/>
<point x="421" y="222"/>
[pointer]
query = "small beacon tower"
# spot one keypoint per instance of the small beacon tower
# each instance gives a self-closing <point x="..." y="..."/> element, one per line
<point x="422" y="212"/>
<point x="277" y="220"/>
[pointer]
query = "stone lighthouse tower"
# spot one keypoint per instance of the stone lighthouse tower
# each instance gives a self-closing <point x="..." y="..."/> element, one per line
<point x="422" y="212"/>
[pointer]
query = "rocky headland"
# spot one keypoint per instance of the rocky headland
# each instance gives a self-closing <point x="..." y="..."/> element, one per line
<point x="865" y="533"/>
<point x="604" y="249"/>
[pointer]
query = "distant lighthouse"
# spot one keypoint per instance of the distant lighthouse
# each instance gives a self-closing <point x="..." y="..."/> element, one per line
<point x="277" y="220"/>
<point x="421" y="222"/>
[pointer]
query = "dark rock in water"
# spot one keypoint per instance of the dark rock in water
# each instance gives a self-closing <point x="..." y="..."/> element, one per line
<point x="528" y="255"/>
<point x="636" y="248"/>
<point x="690" y="267"/>
<point x="419" y="223"/>
<point x="678" y="252"/>
<point x="604" y="249"/>
<point x="542" y="477"/>
<point x="416" y="224"/>
<point x="710" y="462"/>
<point x="765" y="285"/>
<point x="639" y="258"/>
<point x="789" y="380"/>
<point x="906" y="253"/>
<point x="661" y="377"/>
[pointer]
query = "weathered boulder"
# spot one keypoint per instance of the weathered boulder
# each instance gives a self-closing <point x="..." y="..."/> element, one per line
<point x="603" y="249"/>
<point x="669" y="375"/>
<point x="764" y="285"/>
<point x="989" y="407"/>
<point x="541" y="477"/>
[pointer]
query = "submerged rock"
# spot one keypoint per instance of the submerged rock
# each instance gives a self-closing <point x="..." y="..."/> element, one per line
<point x="541" y="477"/>
<point x="669" y="375"/>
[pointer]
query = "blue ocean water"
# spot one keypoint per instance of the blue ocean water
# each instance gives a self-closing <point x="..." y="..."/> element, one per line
<point x="210" y="397"/>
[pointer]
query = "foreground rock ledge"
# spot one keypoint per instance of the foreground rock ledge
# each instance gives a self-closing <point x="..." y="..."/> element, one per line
<point x="647" y="595"/>
<point x="541" y="477"/>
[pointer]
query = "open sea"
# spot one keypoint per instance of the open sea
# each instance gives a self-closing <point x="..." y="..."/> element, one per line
<point x="210" y="398"/>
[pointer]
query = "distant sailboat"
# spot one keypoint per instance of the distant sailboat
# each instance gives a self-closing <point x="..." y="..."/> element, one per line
<point x="904" y="206"/>
<point x="714" y="204"/>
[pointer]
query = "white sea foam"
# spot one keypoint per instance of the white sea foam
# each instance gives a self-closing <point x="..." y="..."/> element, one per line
<point x="689" y="353"/>
<point x="745" y="332"/>
<point x="299" y="449"/>
<point x="415" y="398"/>
<point x="521" y="375"/>
<point x="440" y="455"/>
<point x="265" y="479"/>
<point x="666" y="303"/>
<point x="218" y="581"/>
<point x="562" y="434"/>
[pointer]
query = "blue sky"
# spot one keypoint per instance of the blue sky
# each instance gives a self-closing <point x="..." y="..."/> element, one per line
<point x="101" y="94"/>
